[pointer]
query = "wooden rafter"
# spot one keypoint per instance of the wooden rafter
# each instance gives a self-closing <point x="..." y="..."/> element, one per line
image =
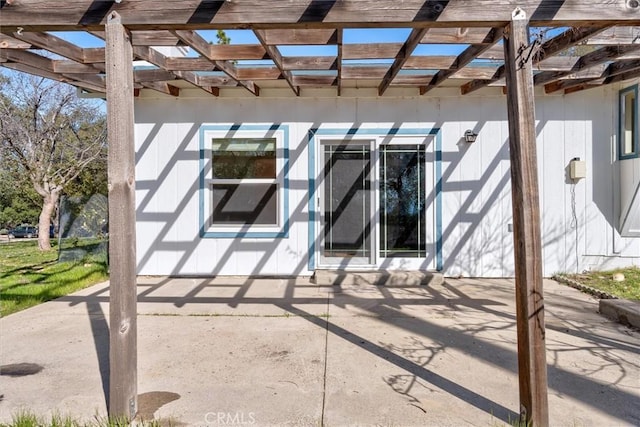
<point x="616" y="36"/>
<point x="28" y="58"/>
<point x="52" y="44"/>
<point x="157" y="75"/>
<point x="158" y="59"/>
<point x="310" y="62"/>
<point x="401" y="57"/>
<point x="457" y="35"/>
<point x="597" y="57"/>
<point x="617" y="71"/>
<point x="565" y="84"/>
<point x="153" y="38"/>
<point x="299" y="37"/>
<point x="339" y="38"/>
<point x="322" y="26"/>
<point x="569" y="38"/>
<point x="7" y="42"/>
<point x="222" y="52"/>
<point x="468" y="55"/>
<point x="163" y="87"/>
<point x="200" y="45"/>
<point x="17" y="66"/>
<point x="370" y="50"/>
<point x="276" y="57"/>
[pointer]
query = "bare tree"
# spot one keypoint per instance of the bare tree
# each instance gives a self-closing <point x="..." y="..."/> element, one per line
<point x="51" y="135"/>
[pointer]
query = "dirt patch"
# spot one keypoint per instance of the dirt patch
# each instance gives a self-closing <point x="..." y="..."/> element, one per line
<point x="149" y="403"/>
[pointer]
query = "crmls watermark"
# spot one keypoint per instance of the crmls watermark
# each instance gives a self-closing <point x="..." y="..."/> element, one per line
<point x="238" y="418"/>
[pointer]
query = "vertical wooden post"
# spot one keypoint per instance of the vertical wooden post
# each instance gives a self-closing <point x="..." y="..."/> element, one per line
<point x="122" y="233"/>
<point x="532" y="362"/>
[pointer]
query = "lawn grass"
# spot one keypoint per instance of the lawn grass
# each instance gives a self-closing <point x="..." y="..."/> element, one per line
<point x="29" y="277"/>
<point x="27" y="418"/>
<point x="603" y="281"/>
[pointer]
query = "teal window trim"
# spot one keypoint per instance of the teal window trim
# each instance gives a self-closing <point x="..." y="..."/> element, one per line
<point x="621" y="116"/>
<point x="205" y="233"/>
<point x="312" y="141"/>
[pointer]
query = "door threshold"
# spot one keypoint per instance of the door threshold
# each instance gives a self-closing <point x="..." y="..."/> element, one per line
<point x="377" y="277"/>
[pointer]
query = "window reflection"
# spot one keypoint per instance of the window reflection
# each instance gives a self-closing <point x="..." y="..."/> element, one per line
<point x="402" y="201"/>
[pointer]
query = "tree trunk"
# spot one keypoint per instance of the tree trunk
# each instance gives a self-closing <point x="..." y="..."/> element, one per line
<point x="48" y="207"/>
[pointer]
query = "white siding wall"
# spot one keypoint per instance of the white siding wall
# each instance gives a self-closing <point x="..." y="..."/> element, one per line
<point x="476" y="198"/>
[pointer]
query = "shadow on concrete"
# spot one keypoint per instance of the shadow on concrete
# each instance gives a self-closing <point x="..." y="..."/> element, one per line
<point x="411" y="309"/>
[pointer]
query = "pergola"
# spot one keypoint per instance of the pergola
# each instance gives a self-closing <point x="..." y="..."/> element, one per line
<point x="496" y="49"/>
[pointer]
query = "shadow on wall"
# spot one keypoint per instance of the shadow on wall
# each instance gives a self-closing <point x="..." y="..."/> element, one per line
<point x="475" y="231"/>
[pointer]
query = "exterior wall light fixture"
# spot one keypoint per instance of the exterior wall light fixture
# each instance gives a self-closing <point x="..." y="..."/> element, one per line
<point x="470" y="136"/>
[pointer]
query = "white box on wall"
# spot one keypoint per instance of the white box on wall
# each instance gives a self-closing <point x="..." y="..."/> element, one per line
<point x="577" y="169"/>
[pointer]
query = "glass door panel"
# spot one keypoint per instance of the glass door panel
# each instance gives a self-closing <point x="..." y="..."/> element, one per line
<point x="347" y="206"/>
<point x="402" y="201"/>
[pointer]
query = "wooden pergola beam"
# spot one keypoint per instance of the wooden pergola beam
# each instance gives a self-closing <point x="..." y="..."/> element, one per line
<point x="72" y="67"/>
<point x="52" y="44"/>
<point x="618" y="71"/>
<point x="310" y="62"/>
<point x="621" y="67"/>
<point x="276" y="57"/>
<point x="435" y="62"/>
<point x="567" y="39"/>
<point x="28" y="58"/>
<point x="228" y="52"/>
<point x="591" y="59"/>
<point x="339" y="67"/>
<point x="370" y="50"/>
<point x="196" y="81"/>
<point x="566" y="84"/>
<point x="299" y="37"/>
<point x="7" y="42"/>
<point x="314" y="81"/>
<point x="186" y="64"/>
<point x="162" y="87"/>
<point x="616" y="36"/>
<point x="50" y="75"/>
<point x="457" y="35"/>
<point x="468" y="55"/>
<point x="200" y="45"/>
<point x="158" y="75"/>
<point x="401" y="57"/>
<point x="38" y="15"/>
<point x="549" y="48"/>
<point x="159" y="60"/>
<point x="153" y="38"/>
<point x="532" y="362"/>
<point x="631" y="74"/>
<point x="123" y="396"/>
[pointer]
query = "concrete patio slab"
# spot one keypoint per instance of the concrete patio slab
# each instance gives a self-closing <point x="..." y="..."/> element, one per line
<point x="235" y="366"/>
<point x="289" y="352"/>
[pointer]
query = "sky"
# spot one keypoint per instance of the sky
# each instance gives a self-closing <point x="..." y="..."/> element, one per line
<point x="350" y="36"/>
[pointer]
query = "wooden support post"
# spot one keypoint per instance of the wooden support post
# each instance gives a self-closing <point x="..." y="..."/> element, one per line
<point x="122" y="233"/>
<point x="532" y="362"/>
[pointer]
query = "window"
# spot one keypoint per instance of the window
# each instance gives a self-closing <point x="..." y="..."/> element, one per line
<point x="243" y="185"/>
<point x="628" y="134"/>
<point x="244" y="181"/>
